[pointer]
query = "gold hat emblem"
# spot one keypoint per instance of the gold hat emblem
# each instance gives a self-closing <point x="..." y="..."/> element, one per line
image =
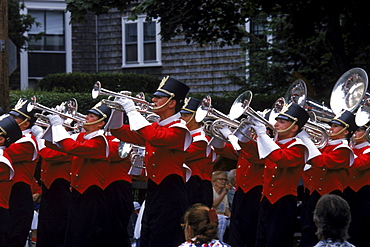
<point x="21" y="102"/>
<point x="98" y="105"/>
<point x="285" y="108"/>
<point x="186" y="102"/>
<point x="163" y="82"/>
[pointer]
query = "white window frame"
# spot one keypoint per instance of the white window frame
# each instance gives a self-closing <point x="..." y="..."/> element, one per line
<point x="55" y="5"/>
<point x="140" y="42"/>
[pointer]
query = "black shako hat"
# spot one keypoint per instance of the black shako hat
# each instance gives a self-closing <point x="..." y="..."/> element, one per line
<point x="346" y="119"/>
<point x="295" y="113"/>
<point x="24" y="109"/>
<point x="172" y="88"/>
<point x="101" y="110"/>
<point x="190" y="105"/>
<point x="9" y="129"/>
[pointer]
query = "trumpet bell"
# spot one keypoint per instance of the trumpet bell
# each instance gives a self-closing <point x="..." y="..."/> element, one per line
<point x="297" y="93"/>
<point x="349" y="90"/>
<point x="95" y="92"/>
<point x="276" y="109"/>
<point x="240" y="104"/>
<point x="203" y="109"/>
<point x="363" y="113"/>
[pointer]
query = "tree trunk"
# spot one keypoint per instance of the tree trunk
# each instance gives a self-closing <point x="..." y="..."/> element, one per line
<point x="4" y="77"/>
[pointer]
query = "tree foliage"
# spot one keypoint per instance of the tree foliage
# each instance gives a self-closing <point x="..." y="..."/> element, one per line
<point x="19" y="24"/>
<point x="310" y="39"/>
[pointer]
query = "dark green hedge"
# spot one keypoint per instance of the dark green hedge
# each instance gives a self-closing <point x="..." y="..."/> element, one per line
<point x="79" y="82"/>
<point x="56" y="88"/>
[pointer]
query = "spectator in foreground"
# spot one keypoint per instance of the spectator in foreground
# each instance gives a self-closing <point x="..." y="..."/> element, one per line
<point x="201" y="227"/>
<point x="332" y="217"/>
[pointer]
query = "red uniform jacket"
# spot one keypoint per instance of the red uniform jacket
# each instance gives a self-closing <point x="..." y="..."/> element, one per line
<point x="208" y="169"/>
<point x="90" y="163"/>
<point x="360" y="170"/>
<point x="6" y="172"/>
<point x="249" y="169"/>
<point x="118" y="167"/>
<point x="283" y="169"/>
<point x="329" y="170"/>
<point x="24" y="156"/>
<point x="198" y="155"/>
<point x="165" y="146"/>
<point x="54" y="165"/>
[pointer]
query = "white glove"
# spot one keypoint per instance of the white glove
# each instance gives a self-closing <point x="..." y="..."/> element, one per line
<point x="127" y="104"/>
<point x="217" y="142"/>
<point x="234" y="142"/>
<point x="55" y="120"/>
<point x="243" y="133"/>
<point x="37" y="131"/>
<point x="259" y="128"/>
<point x="225" y="131"/>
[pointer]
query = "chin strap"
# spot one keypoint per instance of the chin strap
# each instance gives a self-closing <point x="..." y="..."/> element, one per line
<point x="340" y="132"/>
<point x="159" y="107"/>
<point x="287" y="129"/>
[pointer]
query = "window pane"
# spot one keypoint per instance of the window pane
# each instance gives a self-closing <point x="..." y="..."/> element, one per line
<point x="131" y="53"/>
<point x="39" y="15"/>
<point x="54" y="23"/>
<point x="149" y="31"/>
<point x="42" y="64"/>
<point x="36" y="44"/>
<point x="54" y="43"/>
<point x="149" y="52"/>
<point x="131" y="33"/>
<point x="53" y="31"/>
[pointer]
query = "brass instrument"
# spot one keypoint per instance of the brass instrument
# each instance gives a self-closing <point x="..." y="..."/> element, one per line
<point x="316" y="126"/>
<point x="67" y="110"/>
<point x="215" y="120"/>
<point x="317" y="131"/>
<point x="297" y="93"/>
<point x="144" y="105"/>
<point x="241" y="107"/>
<point x="349" y="92"/>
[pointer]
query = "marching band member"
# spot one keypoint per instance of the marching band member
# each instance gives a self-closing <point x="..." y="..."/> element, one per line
<point x="118" y="193"/>
<point x="198" y="156"/>
<point x="329" y="170"/>
<point x="87" y="219"/>
<point x="9" y="133"/>
<point x="165" y="144"/>
<point x="24" y="155"/>
<point x="284" y="162"/>
<point x="249" y="181"/>
<point x="56" y="193"/>
<point x="357" y="193"/>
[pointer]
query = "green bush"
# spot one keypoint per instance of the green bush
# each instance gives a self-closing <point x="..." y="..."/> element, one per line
<point x="79" y="82"/>
<point x="52" y="99"/>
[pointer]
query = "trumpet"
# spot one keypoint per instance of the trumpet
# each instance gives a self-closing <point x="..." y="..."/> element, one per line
<point x="241" y="107"/>
<point x="216" y="119"/>
<point x="67" y="111"/>
<point x="139" y="99"/>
